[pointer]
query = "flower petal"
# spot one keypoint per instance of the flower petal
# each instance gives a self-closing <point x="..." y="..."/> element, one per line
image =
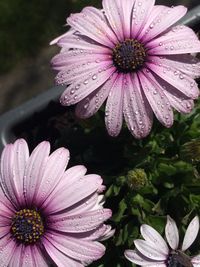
<point x="113" y="13"/>
<point x="92" y="26"/>
<point x="135" y="258"/>
<point x="78" y="41"/>
<point x="148" y="250"/>
<point x="171" y="233"/>
<point x="38" y="256"/>
<point x="196" y="260"/>
<point x="77" y="249"/>
<point x="69" y="177"/>
<point x="13" y="162"/>
<point x="141" y="12"/>
<point x="27" y="257"/>
<point x="54" y="170"/>
<point x="7" y="248"/>
<point x="166" y="18"/>
<point x="70" y="195"/>
<point x="85" y="86"/>
<point x="186" y="64"/>
<point x="16" y="260"/>
<point x="91" y="104"/>
<point x="182" y="82"/>
<point x="72" y="73"/>
<point x="174" y="42"/>
<point x="191" y="233"/>
<point x="137" y="111"/>
<point x="109" y="232"/>
<point x="114" y="104"/>
<point x="127" y="8"/>
<point x="34" y="170"/>
<point x="83" y="222"/>
<point x="157" y="100"/>
<point x="152" y="236"/>
<point x="177" y="99"/>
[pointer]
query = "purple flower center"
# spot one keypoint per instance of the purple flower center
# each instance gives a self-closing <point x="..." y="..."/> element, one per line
<point x="27" y="226"/>
<point x="129" y="56"/>
<point x="178" y="259"/>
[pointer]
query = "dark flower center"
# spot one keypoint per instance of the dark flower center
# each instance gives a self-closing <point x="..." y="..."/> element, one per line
<point x="27" y="226"/>
<point x="178" y="259"/>
<point x="129" y="56"/>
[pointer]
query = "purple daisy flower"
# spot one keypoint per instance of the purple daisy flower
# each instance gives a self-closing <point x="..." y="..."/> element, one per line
<point x="130" y="54"/>
<point x="49" y="214"/>
<point x="154" y="252"/>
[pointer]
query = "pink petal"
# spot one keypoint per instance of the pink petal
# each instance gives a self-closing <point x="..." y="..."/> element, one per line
<point x="137" y="111"/>
<point x="156" y="10"/>
<point x="133" y="256"/>
<point x="182" y="63"/>
<point x="141" y="12"/>
<point x="17" y="257"/>
<point x="71" y="195"/>
<point x="157" y="100"/>
<point x="81" y="70"/>
<point x="94" y="14"/>
<point x="83" y="222"/>
<point x="85" y="86"/>
<point x="113" y="13"/>
<point x="7" y="248"/>
<point x="35" y="170"/>
<point x="191" y="233"/>
<point x="87" y="204"/>
<point x="157" y="265"/>
<point x="67" y="62"/>
<point x="5" y="230"/>
<point x="38" y="256"/>
<point x="163" y="21"/>
<point x="196" y="261"/>
<point x="152" y="236"/>
<point x="149" y="251"/>
<point x="54" y="170"/>
<point x="92" y="26"/>
<point x="91" y="104"/>
<point x="171" y="233"/>
<point x="182" y="82"/>
<point x="109" y="232"/>
<point x="113" y="110"/>
<point x="67" y="59"/>
<point x="69" y="177"/>
<point x="67" y="34"/>
<point x="78" y="41"/>
<point x="177" y="99"/>
<point x="27" y="257"/>
<point x="174" y="42"/>
<point x="13" y="163"/>
<point x="59" y="258"/>
<point x="80" y="250"/>
<point x="127" y="8"/>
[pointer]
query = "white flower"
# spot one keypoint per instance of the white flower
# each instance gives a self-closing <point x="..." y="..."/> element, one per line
<point x="153" y="251"/>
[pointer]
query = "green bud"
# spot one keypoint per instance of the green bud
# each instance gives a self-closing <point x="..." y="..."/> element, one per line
<point x="190" y="151"/>
<point x="136" y="179"/>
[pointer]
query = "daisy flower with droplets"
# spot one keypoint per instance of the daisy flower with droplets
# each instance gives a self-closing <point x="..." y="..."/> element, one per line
<point x="153" y="251"/>
<point x="130" y="54"/>
<point x="49" y="214"/>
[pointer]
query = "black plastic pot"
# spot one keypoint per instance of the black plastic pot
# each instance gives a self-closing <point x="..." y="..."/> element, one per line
<point x="10" y="120"/>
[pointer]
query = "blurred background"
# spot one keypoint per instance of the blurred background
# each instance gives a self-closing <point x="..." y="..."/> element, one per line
<point x="26" y="28"/>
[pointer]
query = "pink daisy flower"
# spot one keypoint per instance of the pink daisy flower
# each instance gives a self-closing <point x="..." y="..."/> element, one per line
<point x="130" y="54"/>
<point x="154" y="252"/>
<point x="49" y="214"/>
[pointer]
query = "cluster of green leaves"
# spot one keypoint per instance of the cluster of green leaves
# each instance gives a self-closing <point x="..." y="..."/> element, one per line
<point x="170" y="183"/>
